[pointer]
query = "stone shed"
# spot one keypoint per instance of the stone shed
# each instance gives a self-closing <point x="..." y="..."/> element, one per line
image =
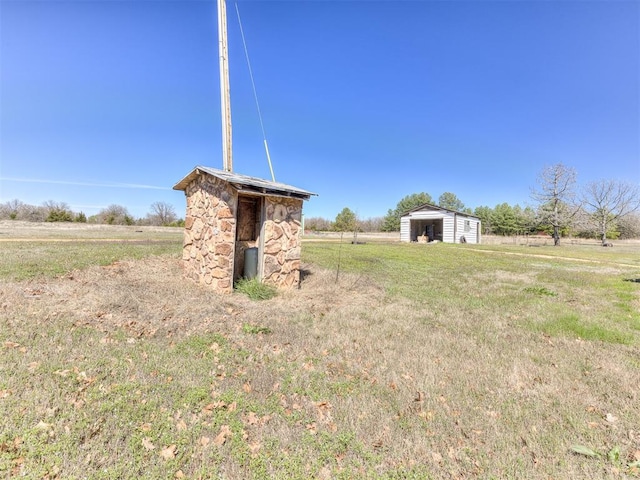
<point x="228" y="213"/>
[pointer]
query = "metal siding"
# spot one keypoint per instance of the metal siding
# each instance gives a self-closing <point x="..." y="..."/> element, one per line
<point x="404" y="229"/>
<point x="425" y="215"/>
<point x="447" y="229"/>
<point x="472" y="235"/>
<point x="447" y="223"/>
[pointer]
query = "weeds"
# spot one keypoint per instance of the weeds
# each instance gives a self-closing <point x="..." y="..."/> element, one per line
<point x="613" y="456"/>
<point x="541" y="291"/>
<point x="255" y="329"/>
<point x="255" y="289"/>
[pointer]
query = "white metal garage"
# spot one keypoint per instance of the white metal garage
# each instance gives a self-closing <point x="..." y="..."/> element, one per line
<point x="428" y="223"/>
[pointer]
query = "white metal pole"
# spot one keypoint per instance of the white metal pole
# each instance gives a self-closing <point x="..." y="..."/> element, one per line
<point x="225" y="97"/>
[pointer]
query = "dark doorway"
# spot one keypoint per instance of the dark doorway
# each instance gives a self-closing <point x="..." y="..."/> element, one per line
<point x="249" y="220"/>
<point x="426" y="230"/>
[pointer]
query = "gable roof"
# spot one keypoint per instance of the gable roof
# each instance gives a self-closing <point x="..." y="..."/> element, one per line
<point x="428" y="206"/>
<point x="245" y="183"/>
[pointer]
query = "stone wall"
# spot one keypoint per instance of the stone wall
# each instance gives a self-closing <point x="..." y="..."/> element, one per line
<point x="282" y="242"/>
<point x="210" y="237"/>
<point x="209" y="234"/>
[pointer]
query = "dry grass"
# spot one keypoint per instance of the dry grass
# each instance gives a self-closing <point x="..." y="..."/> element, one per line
<point x="128" y="371"/>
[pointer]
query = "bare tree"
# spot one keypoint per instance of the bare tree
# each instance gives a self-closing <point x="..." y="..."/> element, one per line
<point x="115" y="215"/>
<point x="162" y="214"/>
<point x="317" y="224"/>
<point x="32" y="213"/>
<point x="629" y="226"/>
<point x="556" y="197"/>
<point x="373" y="224"/>
<point x="608" y="201"/>
<point x="10" y="209"/>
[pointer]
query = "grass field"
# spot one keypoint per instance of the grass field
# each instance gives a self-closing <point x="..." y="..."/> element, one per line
<point x="391" y="361"/>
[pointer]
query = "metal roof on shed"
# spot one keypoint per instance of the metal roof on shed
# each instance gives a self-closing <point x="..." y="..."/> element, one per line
<point x="245" y="183"/>
<point x="429" y="206"/>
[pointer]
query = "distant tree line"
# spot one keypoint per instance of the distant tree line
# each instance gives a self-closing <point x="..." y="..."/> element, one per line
<point x="160" y="214"/>
<point x="605" y="209"/>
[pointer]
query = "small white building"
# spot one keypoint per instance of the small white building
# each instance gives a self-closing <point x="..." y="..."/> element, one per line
<point x="427" y="223"/>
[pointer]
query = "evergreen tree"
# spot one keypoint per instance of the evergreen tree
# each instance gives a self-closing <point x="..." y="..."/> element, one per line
<point x="346" y="221"/>
<point x="450" y="201"/>
<point x="391" y="221"/>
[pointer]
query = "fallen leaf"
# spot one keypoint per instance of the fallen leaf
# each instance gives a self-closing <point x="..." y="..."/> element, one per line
<point x="148" y="444"/>
<point x="247" y="388"/>
<point x="9" y="344"/>
<point x="180" y="474"/>
<point x="582" y="450"/>
<point x="252" y="418"/>
<point x="225" y="432"/>
<point x="609" y="417"/>
<point x="169" y="452"/>
<point x="205" y="441"/>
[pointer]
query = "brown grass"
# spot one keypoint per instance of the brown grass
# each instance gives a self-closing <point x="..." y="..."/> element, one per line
<point x="443" y="393"/>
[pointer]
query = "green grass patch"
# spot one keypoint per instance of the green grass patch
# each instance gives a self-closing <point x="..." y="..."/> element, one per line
<point x="488" y="281"/>
<point x="26" y="260"/>
<point x="572" y="325"/>
<point x="255" y="329"/>
<point x="541" y="291"/>
<point x="255" y="289"/>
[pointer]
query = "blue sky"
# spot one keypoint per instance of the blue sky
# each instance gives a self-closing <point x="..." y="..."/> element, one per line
<point x="364" y="102"/>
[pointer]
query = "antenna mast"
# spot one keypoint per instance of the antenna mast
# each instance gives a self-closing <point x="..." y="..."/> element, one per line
<point x="225" y="97"/>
